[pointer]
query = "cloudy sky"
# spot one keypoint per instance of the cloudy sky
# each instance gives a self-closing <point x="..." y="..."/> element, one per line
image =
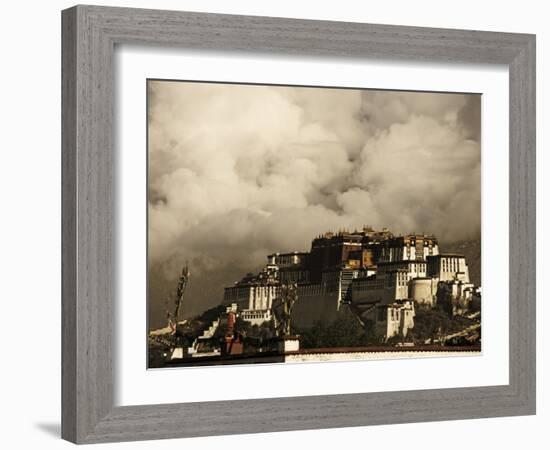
<point x="239" y="171"/>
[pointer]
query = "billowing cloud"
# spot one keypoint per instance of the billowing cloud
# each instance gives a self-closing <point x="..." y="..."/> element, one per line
<point x="238" y="171"/>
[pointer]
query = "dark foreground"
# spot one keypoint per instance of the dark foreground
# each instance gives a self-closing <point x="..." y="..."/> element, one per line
<point x="318" y="354"/>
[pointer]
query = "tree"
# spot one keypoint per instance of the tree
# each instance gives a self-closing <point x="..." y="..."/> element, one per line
<point x="432" y="323"/>
<point x="243" y="327"/>
<point x="344" y="331"/>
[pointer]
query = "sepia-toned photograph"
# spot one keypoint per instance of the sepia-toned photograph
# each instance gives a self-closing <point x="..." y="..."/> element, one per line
<point x="291" y="224"/>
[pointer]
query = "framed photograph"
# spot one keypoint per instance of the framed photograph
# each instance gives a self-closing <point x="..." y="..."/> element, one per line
<point x="285" y="173"/>
<point x="307" y="222"/>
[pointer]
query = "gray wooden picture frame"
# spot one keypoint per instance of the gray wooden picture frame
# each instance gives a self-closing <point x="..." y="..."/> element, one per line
<point x="90" y="34"/>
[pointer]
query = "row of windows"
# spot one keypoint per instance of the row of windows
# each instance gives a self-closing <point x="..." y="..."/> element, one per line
<point x="450" y="265"/>
<point x="247" y="315"/>
<point x="395" y="314"/>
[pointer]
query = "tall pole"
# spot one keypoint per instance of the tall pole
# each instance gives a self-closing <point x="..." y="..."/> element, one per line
<point x="182" y="284"/>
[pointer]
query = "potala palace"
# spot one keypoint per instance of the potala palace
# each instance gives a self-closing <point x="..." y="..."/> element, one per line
<point x="378" y="276"/>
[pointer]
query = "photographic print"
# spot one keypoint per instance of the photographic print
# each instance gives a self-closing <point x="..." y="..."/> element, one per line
<point x="303" y="224"/>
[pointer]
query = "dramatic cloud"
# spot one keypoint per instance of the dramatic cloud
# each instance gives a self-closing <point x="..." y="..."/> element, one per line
<point x="237" y="172"/>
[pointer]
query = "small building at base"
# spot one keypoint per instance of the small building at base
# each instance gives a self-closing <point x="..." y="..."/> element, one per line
<point x="455" y="296"/>
<point x="389" y="320"/>
<point x="288" y="344"/>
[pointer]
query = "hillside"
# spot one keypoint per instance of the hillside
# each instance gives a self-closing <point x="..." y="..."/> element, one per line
<point x="472" y="251"/>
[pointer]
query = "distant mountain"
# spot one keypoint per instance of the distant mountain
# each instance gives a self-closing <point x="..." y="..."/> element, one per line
<point x="471" y="249"/>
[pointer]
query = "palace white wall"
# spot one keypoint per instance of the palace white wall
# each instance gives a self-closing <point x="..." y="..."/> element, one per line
<point x="30" y="225"/>
<point x="423" y="290"/>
